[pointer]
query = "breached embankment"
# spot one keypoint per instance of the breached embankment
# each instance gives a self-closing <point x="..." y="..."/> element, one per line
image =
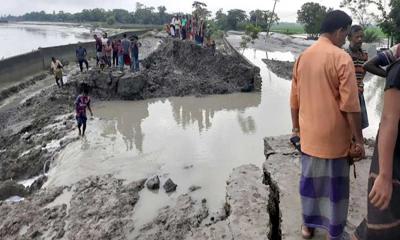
<point x="176" y="68"/>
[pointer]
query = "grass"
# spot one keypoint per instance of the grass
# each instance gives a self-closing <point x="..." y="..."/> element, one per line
<point x="295" y="28"/>
<point x="288" y="28"/>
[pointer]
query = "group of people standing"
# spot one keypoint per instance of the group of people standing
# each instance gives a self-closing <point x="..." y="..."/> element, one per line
<point x="118" y="52"/>
<point x="328" y="115"/>
<point x="188" y="27"/>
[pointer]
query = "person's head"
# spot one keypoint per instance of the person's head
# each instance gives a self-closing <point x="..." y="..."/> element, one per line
<point x="53" y="59"/>
<point x="119" y="41"/>
<point x="124" y="35"/>
<point x="95" y="36"/>
<point x="85" y="89"/>
<point x="336" y="26"/>
<point x="105" y="35"/>
<point x="356" y="36"/>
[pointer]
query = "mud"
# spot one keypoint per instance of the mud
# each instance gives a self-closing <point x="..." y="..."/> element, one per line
<point x="16" y="88"/>
<point x="282" y="69"/>
<point x="94" y="208"/>
<point x="176" y="68"/>
<point x="282" y="166"/>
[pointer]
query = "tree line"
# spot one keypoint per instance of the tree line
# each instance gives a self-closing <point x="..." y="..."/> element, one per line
<point x="235" y="19"/>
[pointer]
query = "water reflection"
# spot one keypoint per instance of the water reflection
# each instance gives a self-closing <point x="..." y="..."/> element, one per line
<point x="128" y="123"/>
<point x="190" y="110"/>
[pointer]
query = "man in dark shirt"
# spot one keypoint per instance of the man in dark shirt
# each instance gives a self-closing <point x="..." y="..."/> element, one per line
<point x="81" y="54"/>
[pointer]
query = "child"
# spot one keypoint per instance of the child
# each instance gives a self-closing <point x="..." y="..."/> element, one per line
<point x="82" y="102"/>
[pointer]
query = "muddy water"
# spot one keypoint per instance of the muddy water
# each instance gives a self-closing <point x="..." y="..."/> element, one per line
<point x="194" y="141"/>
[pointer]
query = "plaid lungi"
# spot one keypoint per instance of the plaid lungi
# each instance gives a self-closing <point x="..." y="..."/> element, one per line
<point x="324" y="191"/>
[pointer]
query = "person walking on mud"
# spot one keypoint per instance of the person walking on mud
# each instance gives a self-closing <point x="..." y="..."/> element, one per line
<point x="57" y="69"/>
<point x="81" y="54"/>
<point x="326" y="116"/>
<point x="81" y="103"/>
<point x="383" y="217"/>
<point x="359" y="57"/>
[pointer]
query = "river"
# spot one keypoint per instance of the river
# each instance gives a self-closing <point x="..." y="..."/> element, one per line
<point x="19" y="38"/>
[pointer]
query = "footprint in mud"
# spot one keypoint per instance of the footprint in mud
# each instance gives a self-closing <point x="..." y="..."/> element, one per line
<point x="85" y="144"/>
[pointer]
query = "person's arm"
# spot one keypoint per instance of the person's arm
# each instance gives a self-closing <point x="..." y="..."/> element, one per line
<point x="84" y="52"/>
<point x="294" y="102"/>
<point x="89" y="108"/>
<point x="373" y="66"/>
<point x="381" y="192"/>
<point x="349" y="103"/>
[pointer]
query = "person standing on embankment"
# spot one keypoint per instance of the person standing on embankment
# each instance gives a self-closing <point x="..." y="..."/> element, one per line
<point x="359" y="57"/>
<point x="57" y="67"/>
<point x="326" y="115"/>
<point x="81" y="54"/>
<point x="383" y="217"/>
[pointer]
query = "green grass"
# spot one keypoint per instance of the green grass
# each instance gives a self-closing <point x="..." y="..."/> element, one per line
<point x="288" y="28"/>
<point x="295" y="28"/>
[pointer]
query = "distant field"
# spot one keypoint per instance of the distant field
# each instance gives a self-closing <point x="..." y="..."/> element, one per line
<point x="295" y="28"/>
<point x="288" y="28"/>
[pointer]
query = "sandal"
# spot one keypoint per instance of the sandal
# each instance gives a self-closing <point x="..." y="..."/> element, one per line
<point x="307" y="232"/>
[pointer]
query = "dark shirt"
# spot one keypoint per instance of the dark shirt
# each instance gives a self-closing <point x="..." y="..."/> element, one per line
<point x="81" y="53"/>
<point x="99" y="45"/>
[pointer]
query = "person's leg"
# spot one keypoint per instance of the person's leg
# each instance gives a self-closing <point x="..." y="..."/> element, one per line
<point x="137" y="65"/>
<point x="62" y="82"/>
<point x="87" y="65"/>
<point x="79" y="125"/>
<point x="84" y="120"/>
<point x="84" y="129"/>
<point x="58" y="84"/>
<point x="121" y="62"/>
<point x="81" y="65"/>
<point x="133" y="65"/>
<point x="324" y="191"/>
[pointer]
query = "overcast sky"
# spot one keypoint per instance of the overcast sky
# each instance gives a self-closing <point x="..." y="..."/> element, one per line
<point x="286" y="9"/>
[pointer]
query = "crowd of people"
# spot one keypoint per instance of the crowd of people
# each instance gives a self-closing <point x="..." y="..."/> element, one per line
<point x="328" y="115"/>
<point x="190" y="28"/>
<point x="118" y="52"/>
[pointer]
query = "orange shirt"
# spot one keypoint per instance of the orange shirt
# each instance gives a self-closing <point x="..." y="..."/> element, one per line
<point x="324" y="88"/>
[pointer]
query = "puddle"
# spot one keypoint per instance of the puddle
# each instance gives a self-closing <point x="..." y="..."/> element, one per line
<point x="15" y="199"/>
<point x="28" y="182"/>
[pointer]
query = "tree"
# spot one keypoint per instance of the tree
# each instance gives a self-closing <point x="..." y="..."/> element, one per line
<point x="110" y="20"/>
<point x="311" y="15"/>
<point x="200" y="10"/>
<point x="221" y="20"/>
<point x="390" y="22"/>
<point x="263" y="18"/>
<point x="235" y="18"/>
<point x="121" y="16"/>
<point x="359" y="10"/>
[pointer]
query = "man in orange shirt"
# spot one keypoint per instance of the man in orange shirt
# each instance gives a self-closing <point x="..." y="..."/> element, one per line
<point x="326" y="115"/>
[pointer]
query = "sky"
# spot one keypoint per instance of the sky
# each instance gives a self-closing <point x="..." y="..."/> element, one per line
<point x="286" y="9"/>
